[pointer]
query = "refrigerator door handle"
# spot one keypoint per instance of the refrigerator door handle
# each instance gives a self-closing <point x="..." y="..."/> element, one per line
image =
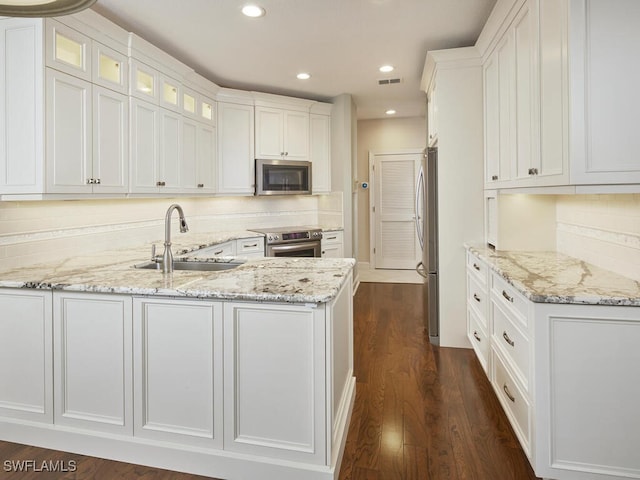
<point x="422" y="271"/>
<point x="419" y="195"/>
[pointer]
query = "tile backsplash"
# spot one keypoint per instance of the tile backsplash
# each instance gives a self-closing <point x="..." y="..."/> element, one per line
<point x="601" y="229"/>
<point x="34" y="232"/>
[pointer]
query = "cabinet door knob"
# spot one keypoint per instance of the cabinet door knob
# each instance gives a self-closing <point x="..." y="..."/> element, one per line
<point x="476" y="297"/>
<point x="475" y="265"/>
<point x="201" y="185"/>
<point x="476" y="336"/>
<point x="533" y="171"/>
<point x="97" y="181"/>
<point x="494" y="177"/>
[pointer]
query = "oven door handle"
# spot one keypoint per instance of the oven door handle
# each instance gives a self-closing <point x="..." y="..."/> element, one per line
<point x="297" y="246"/>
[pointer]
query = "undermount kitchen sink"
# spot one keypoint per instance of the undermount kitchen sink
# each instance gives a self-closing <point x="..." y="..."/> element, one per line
<point x="191" y="265"/>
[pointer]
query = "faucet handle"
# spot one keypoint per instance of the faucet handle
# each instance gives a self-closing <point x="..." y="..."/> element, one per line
<point x="153" y="252"/>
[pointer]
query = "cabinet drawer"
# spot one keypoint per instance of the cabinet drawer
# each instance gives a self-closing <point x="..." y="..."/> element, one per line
<point x="477" y="267"/>
<point x="511" y="342"/>
<point x="507" y="296"/>
<point x="329" y="238"/>
<point x="513" y="400"/>
<point x="225" y="249"/>
<point x="478" y="297"/>
<point x="478" y="338"/>
<point x="250" y="245"/>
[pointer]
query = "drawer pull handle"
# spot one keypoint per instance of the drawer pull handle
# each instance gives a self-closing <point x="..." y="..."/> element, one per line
<point x="475" y="265"/>
<point x="506" y="295"/>
<point x="508" y="393"/>
<point x="476" y="336"/>
<point x="331" y="238"/>
<point x="476" y="297"/>
<point x="218" y="252"/>
<point x="250" y="246"/>
<point x="507" y="339"/>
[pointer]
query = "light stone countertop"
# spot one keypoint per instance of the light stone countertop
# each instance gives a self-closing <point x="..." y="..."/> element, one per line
<point x="288" y="280"/>
<point x="551" y="277"/>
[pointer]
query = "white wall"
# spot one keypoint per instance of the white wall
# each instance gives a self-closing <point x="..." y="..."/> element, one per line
<point x="601" y="229"/>
<point x="381" y="135"/>
<point x="38" y="231"/>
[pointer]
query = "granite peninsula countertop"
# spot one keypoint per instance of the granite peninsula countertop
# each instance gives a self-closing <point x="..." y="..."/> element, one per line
<point x="288" y="280"/>
<point x="551" y="277"/>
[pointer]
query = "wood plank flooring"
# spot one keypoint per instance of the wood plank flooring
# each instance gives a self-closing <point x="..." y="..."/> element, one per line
<point x="421" y="412"/>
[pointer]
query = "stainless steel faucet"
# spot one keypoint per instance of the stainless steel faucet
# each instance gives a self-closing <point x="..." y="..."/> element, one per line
<point x="167" y="256"/>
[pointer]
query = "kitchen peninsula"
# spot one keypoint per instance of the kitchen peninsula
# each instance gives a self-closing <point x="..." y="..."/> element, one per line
<point x="241" y="373"/>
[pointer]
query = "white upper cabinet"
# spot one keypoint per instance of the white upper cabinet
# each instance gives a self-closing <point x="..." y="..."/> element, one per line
<point x="282" y="134"/>
<point x="558" y="89"/>
<point x="432" y="115"/>
<point x="145" y="81"/>
<point x="603" y="86"/>
<point x="235" y="165"/>
<point x="87" y="108"/>
<point x="64" y="133"/>
<point x="199" y="135"/>
<point x="156" y="148"/>
<point x="110" y="68"/>
<point x="110" y="163"/>
<point x="320" y="151"/>
<point x="68" y="134"/>
<point x="87" y="136"/>
<point x="67" y="50"/>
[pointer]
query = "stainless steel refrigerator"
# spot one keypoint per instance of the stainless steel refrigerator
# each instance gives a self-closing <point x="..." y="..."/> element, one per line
<point x="427" y="231"/>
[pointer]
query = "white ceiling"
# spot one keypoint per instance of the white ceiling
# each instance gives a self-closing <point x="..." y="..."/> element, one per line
<point x="341" y="43"/>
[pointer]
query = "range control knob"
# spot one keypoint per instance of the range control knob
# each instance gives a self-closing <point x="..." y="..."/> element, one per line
<point x="276" y="237"/>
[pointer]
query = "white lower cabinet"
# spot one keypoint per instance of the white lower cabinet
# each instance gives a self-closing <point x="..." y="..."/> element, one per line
<point x="566" y="377"/>
<point x="178" y="371"/>
<point x="250" y="247"/>
<point x="587" y="392"/>
<point x="274" y="395"/>
<point x="92" y="362"/>
<point x="26" y="370"/>
<point x="478" y="309"/>
<point x="223" y="389"/>
<point x="332" y="245"/>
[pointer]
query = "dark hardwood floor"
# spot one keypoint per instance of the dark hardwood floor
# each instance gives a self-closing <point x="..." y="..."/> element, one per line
<point x="421" y="412"/>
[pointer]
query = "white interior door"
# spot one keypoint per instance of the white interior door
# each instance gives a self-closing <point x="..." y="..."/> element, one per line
<point x="395" y="243"/>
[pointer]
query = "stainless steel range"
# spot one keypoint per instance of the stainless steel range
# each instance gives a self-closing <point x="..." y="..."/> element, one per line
<point x="292" y="241"/>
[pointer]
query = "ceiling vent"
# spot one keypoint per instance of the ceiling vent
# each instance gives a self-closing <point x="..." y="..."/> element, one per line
<point x="389" y="81"/>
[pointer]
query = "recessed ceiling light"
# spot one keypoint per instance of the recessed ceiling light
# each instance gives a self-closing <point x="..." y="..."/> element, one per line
<point x="253" y="11"/>
<point x="386" y="68"/>
<point x="42" y="8"/>
<point x="303" y="76"/>
<point x="390" y="112"/>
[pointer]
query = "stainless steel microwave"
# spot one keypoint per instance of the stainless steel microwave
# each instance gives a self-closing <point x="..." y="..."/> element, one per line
<point x="283" y="177"/>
